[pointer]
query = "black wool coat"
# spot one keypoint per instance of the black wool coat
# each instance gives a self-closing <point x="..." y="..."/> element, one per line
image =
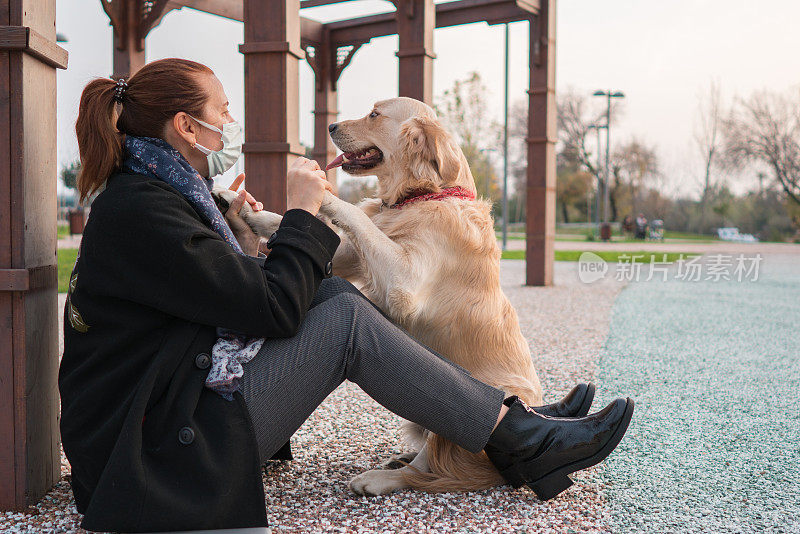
<point x="151" y="448"/>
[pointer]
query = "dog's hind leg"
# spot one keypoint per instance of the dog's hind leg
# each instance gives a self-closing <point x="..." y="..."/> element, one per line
<point x="413" y="437"/>
<point x="383" y="481"/>
<point x="399" y="461"/>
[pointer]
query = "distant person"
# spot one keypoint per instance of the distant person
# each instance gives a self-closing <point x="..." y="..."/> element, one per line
<point x="627" y="225"/>
<point x="641" y="226"/>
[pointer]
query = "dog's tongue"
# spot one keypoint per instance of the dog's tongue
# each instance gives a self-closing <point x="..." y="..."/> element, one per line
<point x="336" y="162"/>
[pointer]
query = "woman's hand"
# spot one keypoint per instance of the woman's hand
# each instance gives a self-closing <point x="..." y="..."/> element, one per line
<point x="256" y="205"/>
<point x="306" y="186"/>
<point x="247" y="239"/>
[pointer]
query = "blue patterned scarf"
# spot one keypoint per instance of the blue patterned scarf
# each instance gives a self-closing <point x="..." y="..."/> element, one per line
<point x="157" y="158"/>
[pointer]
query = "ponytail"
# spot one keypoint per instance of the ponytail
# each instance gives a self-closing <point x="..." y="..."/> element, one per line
<point x="99" y="141"/>
<point x="154" y="95"/>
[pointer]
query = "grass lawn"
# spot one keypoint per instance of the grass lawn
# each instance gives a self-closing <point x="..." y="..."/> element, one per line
<point x="63" y="231"/>
<point x="66" y="261"/>
<point x="669" y="234"/>
<point x="609" y="256"/>
<point x="580" y="234"/>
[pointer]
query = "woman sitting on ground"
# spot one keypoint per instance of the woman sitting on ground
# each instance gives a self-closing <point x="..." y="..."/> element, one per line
<point x="190" y="359"/>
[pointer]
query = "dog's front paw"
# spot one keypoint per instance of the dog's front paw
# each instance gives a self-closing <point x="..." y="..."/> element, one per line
<point x="223" y="197"/>
<point x="377" y="482"/>
<point x="263" y="222"/>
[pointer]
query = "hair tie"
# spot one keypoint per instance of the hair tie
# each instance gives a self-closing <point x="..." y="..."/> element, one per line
<point x="119" y="90"/>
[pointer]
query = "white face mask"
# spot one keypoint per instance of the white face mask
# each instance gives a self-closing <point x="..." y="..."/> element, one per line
<point x="223" y="159"/>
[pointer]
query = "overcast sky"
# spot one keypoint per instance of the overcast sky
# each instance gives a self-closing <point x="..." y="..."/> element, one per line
<point x="662" y="54"/>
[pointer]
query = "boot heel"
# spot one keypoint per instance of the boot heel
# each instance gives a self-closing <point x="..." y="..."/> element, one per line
<point x="550" y="486"/>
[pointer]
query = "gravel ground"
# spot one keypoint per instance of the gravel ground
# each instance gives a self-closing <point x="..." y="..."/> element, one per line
<point x="715" y="371"/>
<point x="349" y="433"/>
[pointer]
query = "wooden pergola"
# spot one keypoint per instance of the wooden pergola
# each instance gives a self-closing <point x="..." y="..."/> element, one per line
<point x="276" y="39"/>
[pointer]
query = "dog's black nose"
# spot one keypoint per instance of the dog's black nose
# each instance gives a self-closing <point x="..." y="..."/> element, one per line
<point x="332" y="127"/>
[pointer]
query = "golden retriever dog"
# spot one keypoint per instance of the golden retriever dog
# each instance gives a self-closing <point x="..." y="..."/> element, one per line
<point x="425" y="252"/>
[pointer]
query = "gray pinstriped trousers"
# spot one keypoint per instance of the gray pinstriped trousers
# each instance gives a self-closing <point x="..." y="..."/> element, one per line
<point x="345" y="336"/>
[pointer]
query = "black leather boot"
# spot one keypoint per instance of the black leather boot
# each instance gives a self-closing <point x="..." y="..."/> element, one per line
<point x="540" y="451"/>
<point x="576" y="403"/>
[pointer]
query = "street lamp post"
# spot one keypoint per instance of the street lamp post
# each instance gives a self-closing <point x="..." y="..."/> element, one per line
<point x="597" y="128"/>
<point x="505" y="149"/>
<point x="606" y="232"/>
<point x="485" y="152"/>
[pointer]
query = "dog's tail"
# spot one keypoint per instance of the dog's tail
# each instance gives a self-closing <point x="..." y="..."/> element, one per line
<point x="453" y="468"/>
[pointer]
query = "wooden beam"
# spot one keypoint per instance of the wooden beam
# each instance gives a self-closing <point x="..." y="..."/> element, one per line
<point x="158" y="8"/>
<point x="362" y="29"/>
<point x="541" y="173"/>
<point x="271" y="93"/>
<point x="315" y="3"/>
<point x="229" y="9"/>
<point x="415" y="25"/>
<point x="30" y="279"/>
<point x="312" y="32"/>
<point x="489" y="11"/>
<point x="33" y="43"/>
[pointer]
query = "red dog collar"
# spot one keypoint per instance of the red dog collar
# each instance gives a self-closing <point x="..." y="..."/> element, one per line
<point x="455" y="192"/>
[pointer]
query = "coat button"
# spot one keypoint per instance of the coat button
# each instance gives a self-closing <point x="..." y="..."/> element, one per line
<point x="271" y="240"/>
<point x="328" y="268"/>
<point x="202" y="361"/>
<point x="185" y="435"/>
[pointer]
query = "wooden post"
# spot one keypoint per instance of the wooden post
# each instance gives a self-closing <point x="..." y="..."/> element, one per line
<point x="128" y="52"/>
<point x="326" y="98"/>
<point x="131" y="25"/>
<point x="541" y="193"/>
<point x="29" y="440"/>
<point x="416" y="20"/>
<point x="271" y="94"/>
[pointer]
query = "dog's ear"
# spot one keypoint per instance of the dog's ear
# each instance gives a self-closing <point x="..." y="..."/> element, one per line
<point x="433" y="157"/>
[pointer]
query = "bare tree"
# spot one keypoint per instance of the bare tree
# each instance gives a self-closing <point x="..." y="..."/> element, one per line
<point x="708" y="135"/>
<point x="576" y="131"/>
<point x="765" y="130"/>
<point x="463" y="110"/>
<point x="518" y="153"/>
<point x="575" y="123"/>
<point x="572" y="188"/>
<point x="634" y="167"/>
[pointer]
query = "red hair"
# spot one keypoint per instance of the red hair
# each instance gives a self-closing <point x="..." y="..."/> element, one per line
<point x="154" y="95"/>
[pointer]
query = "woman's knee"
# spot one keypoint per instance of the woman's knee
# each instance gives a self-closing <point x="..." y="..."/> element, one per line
<point x="330" y="287"/>
<point x="355" y="306"/>
<point x="350" y="302"/>
<point x="336" y="284"/>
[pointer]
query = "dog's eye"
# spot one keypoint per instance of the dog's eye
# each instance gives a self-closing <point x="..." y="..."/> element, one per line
<point x="373" y="114"/>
